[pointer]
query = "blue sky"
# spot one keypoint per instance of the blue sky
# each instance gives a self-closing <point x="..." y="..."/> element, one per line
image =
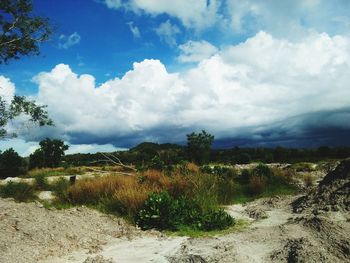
<point x="116" y="73"/>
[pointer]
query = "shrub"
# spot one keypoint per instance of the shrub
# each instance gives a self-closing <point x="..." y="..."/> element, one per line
<point x="161" y="211"/>
<point x="11" y="164"/>
<point x="157" y="212"/>
<point x="19" y="191"/>
<point x="41" y="182"/>
<point x="227" y="190"/>
<point x="60" y="188"/>
<point x="204" y="190"/>
<point x="257" y="184"/>
<point x="262" y="170"/>
<point x="216" y="220"/>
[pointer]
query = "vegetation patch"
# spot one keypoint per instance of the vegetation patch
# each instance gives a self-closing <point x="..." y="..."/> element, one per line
<point x="22" y="192"/>
<point x="161" y="211"/>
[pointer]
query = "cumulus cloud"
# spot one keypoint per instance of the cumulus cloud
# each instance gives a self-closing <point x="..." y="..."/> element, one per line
<point x="196" y="51"/>
<point x="289" y="19"/>
<point x="7" y="89"/>
<point x="263" y="88"/>
<point x="294" y="18"/>
<point x="168" y="32"/>
<point x="134" y="30"/>
<point x="194" y="14"/>
<point x="69" y="41"/>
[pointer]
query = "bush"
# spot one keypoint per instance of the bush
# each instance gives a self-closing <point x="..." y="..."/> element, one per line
<point x="216" y="220"/>
<point x="157" y="212"/>
<point x="19" y="191"/>
<point x="263" y="170"/>
<point x="60" y="188"/>
<point x="11" y="164"/>
<point x="227" y="190"/>
<point x="257" y="184"/>
<point x="41" y="182"/>
<point x="161" y="211"/>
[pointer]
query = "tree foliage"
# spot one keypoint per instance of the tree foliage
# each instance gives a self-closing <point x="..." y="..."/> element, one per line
<point x="199" y="146"/>
<point x="21" y="31"/>
<point x="11" y="164"/>
<point x="21" y="105"/>
<point x="49" y="154"/>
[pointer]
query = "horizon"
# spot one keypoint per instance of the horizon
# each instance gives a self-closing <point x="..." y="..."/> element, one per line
<point x="118" y="73"/>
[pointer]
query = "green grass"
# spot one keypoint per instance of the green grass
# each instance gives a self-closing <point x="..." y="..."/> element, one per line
<point x="60" y="171"/>
<point x="240" y="225"/>
<point x="21" y="192"/>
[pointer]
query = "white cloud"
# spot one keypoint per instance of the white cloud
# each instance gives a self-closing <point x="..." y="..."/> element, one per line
<point x="7" y="89"/>
<point x="168" y="32"/>
<point x="248" y="86"/>
<point x="195" y="14"/>
<point x="114" y="3"/>
<point x="25" y="148"/>
<point x="92" y="148"/>
<point x="134" y="30"/>
<point x="69" y="41"/>
<point x="19" y="145"/>
<point x="288" y="19"/>
<point x="195" y="51"/>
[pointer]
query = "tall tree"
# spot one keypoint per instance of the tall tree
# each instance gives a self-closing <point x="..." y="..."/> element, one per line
<point x="20" y="31"/>
<point x="199" y="146"/>
<point x="11" y="164"/>
<point x="20" y="34"/>
<point x="49" y="154"/>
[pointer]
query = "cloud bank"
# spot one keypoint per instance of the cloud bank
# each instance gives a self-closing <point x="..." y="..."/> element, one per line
<point x="262" y="90"/>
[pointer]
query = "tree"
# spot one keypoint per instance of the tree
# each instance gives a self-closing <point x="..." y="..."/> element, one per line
<point x="199" y="146"/>
<point x="11" y="164"/>
<point x="49" y="154"/>
<point x="21" y="31"/>
<point x="20" y="105"/>
<point x="20" y="34"/>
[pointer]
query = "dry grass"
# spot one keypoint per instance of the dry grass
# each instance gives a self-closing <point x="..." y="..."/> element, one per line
<point x="257" y="184"/>
<point x="192" y="167"/>
<point x="91" y="190"/>
<point x="308" y="180"/>
<point x="129" y="191"/>
<point x="132" y="198"/>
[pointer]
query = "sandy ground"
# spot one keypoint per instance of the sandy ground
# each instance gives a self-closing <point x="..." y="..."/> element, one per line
<point x="31" y="233"/>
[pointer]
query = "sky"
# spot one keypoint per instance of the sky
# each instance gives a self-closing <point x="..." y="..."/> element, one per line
<point x="116" y="73"/>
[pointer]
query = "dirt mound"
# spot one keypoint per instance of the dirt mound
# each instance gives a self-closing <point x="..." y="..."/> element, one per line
<point x="299" y="250"/>
<point x="98" y="259"/>
<point x="332" y="235"/>
<point x="332" y="193"/>
<point x="30" y="233"/>
<point x="187" y="259"/>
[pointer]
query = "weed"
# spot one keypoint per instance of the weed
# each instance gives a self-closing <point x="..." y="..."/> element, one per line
<point x="19" y="191"/>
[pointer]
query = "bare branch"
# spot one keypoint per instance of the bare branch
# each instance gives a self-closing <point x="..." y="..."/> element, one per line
<point x="117" y="161"/>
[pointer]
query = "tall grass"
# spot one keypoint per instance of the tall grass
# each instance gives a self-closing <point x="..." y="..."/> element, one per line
<point x="19" y="191"/>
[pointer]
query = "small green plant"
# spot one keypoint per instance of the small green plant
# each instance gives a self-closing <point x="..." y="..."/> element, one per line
<point x="41" y="182"/>
<point x="263" y="170"/>
<point x="161" y="211"/>
<point x="19" y="191"/>
<point x="60" y="188"/>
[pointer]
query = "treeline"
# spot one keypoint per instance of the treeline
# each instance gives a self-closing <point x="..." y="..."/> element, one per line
<point x="169" y="154"/>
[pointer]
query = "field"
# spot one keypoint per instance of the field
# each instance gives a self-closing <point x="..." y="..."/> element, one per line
<point x="205" y="213"/>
